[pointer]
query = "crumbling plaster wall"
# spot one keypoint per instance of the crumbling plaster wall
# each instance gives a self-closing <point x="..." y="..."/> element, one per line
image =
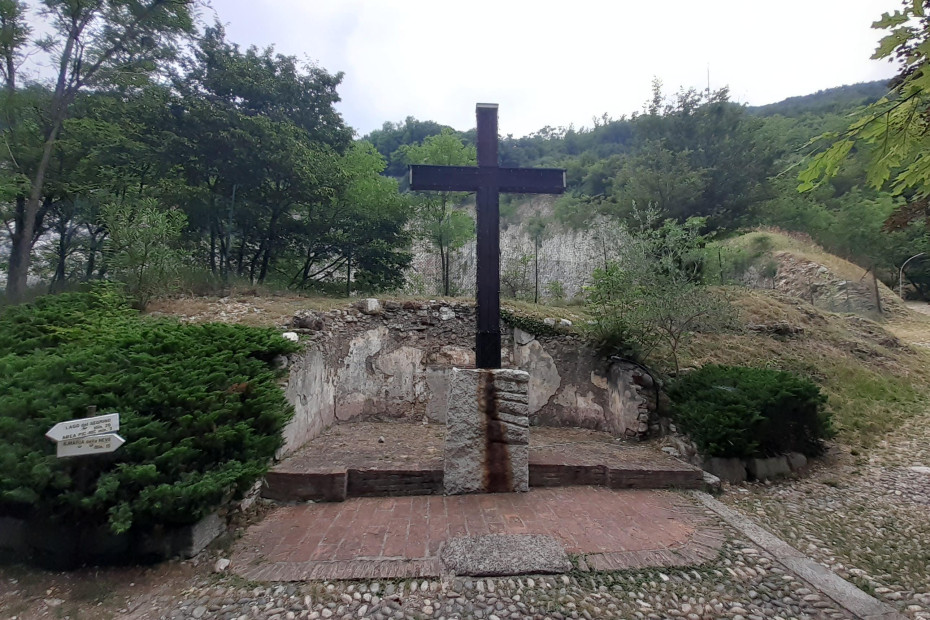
<point x="393" y="360"/>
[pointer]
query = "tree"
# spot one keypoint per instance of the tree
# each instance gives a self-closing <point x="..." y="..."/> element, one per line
<point x="659" y="177"/>
<point x="713" y="137"/>
<point x="440" y="223"/>
<point x="96" y="42"/>
<point x="263" y="127"/>
<point x="652" y="296"/>
<point x="392" y="136"/>
<point x="143" y="246"/>
<point x="536" y="228"/>
<point x="369" y="233"/>
<point x="894" y="132"/>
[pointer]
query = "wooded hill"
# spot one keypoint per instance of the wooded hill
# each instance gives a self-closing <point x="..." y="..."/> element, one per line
<point x="698" y="154"/>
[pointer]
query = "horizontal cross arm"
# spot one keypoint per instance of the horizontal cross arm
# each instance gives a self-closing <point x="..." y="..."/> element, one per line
<point x="531" y="180"/>
<point x="469" y="178"/>
<point x="444" y="178"/>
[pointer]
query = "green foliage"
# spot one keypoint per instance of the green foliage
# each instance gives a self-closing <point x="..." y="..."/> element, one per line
<point x="392" y="137"/>
<point x="651" y="297"/>
<point x="528" y="324"/>
<point x="750" y="412"/>
<point x="248" y="145"/>
<point x="114" y="45"/>
<point x="515" y="278"/>
<point x="892" y="131"/>
<point x="555" y="290"/>
<point x="439" y="222"/>
<point x="143" y="246"/>
<point x="199" y="408"/>
<point x="828" y="101"/>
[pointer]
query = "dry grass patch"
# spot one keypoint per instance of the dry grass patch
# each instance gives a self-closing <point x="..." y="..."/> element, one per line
<point x="876" y="382"/>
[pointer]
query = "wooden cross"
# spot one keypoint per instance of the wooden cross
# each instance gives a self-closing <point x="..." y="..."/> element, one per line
<point x="488" y="180"/>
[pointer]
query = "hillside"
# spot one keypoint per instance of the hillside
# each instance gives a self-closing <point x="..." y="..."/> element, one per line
<point x="874" y="367"/>
<point x="827" y="101"/>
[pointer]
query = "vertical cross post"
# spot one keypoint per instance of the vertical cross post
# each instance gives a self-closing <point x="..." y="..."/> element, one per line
<point x="487" y="201"/>
<point x="488" y="180"/>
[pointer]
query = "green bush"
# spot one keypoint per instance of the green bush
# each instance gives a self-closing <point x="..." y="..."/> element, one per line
<point x="750" y="412"/>
<point x="199" y="405"/>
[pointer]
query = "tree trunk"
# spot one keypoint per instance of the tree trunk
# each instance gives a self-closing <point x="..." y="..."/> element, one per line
<point x="536" y="275"/>
<point x="349" y="274"/>
<point x="254" y="263"/>
<point x="25" y="226"/>
<point x="444" y="266"/>
<point x="240" y="259"/>
<point x="212" y="248"/>
<point x="64" y="240"/>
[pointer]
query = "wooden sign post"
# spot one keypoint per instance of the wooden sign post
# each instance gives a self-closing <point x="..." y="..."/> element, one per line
<point x="93" y="435"/>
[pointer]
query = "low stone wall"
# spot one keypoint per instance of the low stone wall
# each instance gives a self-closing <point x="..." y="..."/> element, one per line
<point x="393" y="360"/>
<point x="61" y="546"/>
<point x="735" y="470"/>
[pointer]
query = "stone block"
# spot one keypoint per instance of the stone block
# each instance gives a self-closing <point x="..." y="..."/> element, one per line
<point x="712" y="484"/>
<point x="487" y="432"/>
<point x="796" y="461"/>
<point x="369" y="306"/>
<point x="766" y="469"/>
<point x="185" y="541"/>
<point x="521" y="337"/>
<point x="437" y="384"/>
<point x="193" y="539"/>
<point x="505" y="554"/>
<point x="731" y="470"/>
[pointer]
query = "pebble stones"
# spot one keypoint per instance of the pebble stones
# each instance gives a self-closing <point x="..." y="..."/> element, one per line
<point x="743" y="582"/>
<point x="868" y="524"/>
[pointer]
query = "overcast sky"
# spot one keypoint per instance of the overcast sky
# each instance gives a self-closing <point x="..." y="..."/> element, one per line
<point x="556" y="63"/>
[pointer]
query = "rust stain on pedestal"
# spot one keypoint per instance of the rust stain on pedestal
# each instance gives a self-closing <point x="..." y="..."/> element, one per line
<point x="498" y="474"/>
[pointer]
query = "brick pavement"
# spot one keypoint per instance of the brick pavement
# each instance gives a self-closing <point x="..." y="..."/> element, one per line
<point x="400" y="537"/>
<point x="348" y="460"/>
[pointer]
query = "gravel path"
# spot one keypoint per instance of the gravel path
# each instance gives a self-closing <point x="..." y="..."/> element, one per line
<point x="744" y="584"/>
<point x="868" y="520"/>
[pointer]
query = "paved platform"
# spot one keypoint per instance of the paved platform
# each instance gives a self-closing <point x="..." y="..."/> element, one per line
<point x="401" y="537"/>
<point x="393" y="459"/>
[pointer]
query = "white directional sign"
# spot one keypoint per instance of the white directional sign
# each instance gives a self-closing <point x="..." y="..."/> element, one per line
<point x="97" y="444"/>
<point x="84" y="427"/>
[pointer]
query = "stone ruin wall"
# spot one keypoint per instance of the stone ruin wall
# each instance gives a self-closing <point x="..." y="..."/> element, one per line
<point x="393" y="361"/>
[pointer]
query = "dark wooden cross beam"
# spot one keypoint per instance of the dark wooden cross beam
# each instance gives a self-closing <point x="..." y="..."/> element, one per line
<point x="488" y="180"/>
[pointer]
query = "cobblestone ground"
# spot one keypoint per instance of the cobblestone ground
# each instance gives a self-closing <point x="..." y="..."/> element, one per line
<point x="743" y="584"/>
<point x="868" y="519"/>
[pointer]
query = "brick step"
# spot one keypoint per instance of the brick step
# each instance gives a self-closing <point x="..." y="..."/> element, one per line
<point x="371" y="459"/>
<point x="338" y="484"/>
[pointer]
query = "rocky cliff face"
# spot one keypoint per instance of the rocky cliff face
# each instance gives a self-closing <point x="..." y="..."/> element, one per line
<point x="565" y="256"/>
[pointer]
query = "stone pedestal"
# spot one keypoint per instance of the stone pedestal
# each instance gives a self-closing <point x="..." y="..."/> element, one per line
<point x="487" y="432"/>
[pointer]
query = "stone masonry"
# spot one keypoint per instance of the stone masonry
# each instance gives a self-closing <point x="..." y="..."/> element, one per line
<point x="392" y="360"/>
<point x="487" y="432"/>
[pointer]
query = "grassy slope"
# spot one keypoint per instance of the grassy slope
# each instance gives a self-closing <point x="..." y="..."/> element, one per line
<point x="877" y="378"/>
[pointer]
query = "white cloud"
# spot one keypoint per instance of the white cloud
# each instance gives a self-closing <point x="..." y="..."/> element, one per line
<point x="556" y="63"/>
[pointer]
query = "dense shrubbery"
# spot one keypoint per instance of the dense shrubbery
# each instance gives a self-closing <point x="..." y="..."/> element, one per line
<point x="743" y="412"/>
<point x="648" y="299"/>
<point x="199" y="408"/>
